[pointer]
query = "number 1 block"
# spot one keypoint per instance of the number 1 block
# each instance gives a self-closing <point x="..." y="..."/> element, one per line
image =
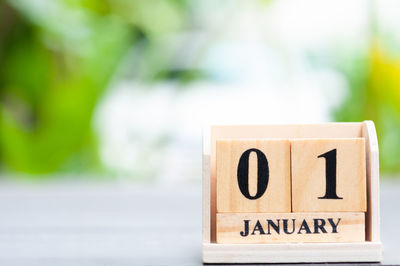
<point x="328" y="175"/>
<point x="253" y="176"/>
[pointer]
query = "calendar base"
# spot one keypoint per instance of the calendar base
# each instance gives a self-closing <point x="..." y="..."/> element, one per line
<point x="292" y="252"/>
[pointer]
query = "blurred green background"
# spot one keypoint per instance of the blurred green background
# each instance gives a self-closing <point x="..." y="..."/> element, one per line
<point x="118" y="87"/>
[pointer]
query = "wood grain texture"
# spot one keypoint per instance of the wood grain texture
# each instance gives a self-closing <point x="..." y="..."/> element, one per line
<point x="325" y="130"/>
<point x="206" y="204"/>
<point x="309" y="176"/>
<point x="236" y="228"/>
<point x="373" y="198"/>
<point x="276" y="197"/>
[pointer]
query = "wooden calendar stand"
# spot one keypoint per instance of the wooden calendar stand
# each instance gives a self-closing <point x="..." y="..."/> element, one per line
<point x="368" y="251"/>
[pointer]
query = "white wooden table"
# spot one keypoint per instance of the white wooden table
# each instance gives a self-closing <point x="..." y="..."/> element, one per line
<point x="119" y="223"/>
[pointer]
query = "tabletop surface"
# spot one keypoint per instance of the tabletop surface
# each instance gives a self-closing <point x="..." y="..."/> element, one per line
<point x="123" y="223"/>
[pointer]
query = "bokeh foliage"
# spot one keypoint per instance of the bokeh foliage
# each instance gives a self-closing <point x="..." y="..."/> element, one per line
<point x="374" y="94"/>
<point x="56" y="59"/>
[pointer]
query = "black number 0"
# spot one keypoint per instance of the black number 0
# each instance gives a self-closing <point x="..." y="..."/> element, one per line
<point x="262" y="174"/>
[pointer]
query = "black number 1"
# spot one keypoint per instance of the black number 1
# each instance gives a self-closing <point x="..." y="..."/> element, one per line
<point x="330" y="174"/>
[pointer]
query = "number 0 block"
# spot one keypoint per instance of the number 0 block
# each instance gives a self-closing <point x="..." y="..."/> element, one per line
<point x="328" y="175"/>
<point x="253" y="175"/>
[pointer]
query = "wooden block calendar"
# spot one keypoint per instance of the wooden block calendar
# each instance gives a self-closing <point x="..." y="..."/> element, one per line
<point x="291" y="193"/>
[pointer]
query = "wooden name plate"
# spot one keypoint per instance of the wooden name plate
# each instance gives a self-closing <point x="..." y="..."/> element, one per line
<point x="290" y="227"/>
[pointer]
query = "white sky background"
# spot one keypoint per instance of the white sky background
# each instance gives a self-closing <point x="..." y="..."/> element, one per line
<point x="257" y="56"/>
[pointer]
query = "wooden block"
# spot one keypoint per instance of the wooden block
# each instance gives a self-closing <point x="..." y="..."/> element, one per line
<point x="239" y="228"/>
<point x="253" y="175"/>
<point x="328" y="175"/>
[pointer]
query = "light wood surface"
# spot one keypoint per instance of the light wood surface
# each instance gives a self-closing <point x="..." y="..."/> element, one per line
<point x="293" y="253"/>
<point x="276" y="197"/>
<point x="373" y="199"/>
<point x="290" y="227"/>
<point x="309" y="175"/>
<point x="206" y="195"/>
<point x="124" y="223"/>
